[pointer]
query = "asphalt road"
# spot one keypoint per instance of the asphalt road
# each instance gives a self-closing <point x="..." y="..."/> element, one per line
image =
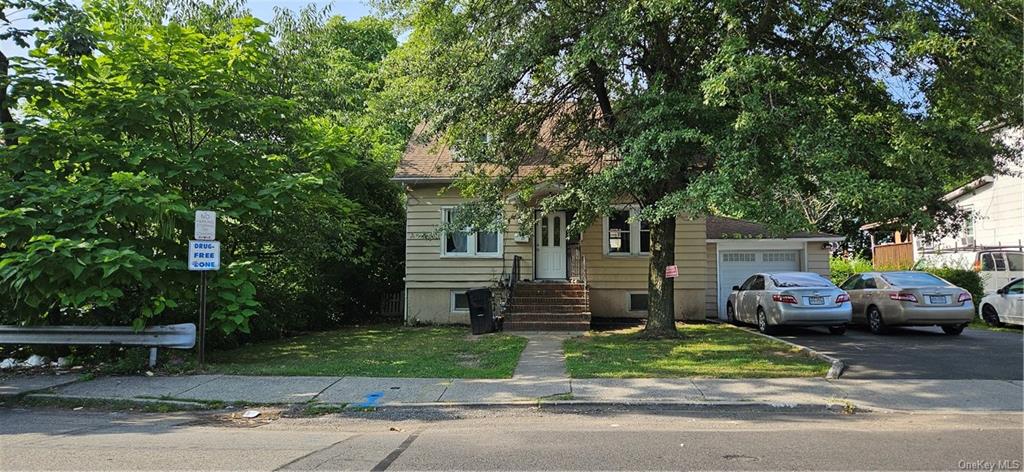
<point x="919" y="353"/>
<point x="527" y="439"/>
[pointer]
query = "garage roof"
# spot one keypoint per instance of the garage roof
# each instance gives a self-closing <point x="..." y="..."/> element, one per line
<point x="723" y="227"/>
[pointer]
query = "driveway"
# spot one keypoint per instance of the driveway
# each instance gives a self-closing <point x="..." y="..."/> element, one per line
<point x="919" y="353"/>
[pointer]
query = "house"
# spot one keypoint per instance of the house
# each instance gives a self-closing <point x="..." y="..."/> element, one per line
<point x="991" y="241"/>
<point x="602" y="273"/>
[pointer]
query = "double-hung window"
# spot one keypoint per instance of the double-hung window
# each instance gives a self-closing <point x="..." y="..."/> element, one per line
<point x="469" y="243"/>
<point x="623" y="237"/>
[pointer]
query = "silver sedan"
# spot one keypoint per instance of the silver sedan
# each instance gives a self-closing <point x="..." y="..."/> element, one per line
<point x="770" y="300"/>
<point x="883" y="299"/>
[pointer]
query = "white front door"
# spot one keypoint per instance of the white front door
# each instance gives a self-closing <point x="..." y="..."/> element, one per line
<point x="551" y="246"/>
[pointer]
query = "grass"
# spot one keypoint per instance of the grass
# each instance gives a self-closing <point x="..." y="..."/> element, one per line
<point x="705" y="351"/>
<point x="978" y="323"/>
<point x="378" y="351"/>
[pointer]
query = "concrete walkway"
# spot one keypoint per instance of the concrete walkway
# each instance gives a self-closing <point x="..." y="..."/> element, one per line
<point x="910" y="395"/>
<point x="543" y="357"/>
<point x="541" y="376"/>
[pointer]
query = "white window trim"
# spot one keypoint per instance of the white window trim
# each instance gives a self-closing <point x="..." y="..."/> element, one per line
<point x="634" y="229"/>
<point x="629" y="301"/>
<point x="451" y="302"/>
<point x="470" y="243"/>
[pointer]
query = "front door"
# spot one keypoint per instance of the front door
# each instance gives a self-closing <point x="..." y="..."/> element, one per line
<point x="551" y="246"/>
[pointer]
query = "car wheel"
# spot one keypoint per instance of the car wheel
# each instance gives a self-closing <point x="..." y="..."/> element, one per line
<point x="988" y="313"/>
<point x="953" y="330"/>
<point x="841" y="329"/>
<point x="762" y="322"/>
<point x="730" y="314"/>
<point x="875" y="322"/>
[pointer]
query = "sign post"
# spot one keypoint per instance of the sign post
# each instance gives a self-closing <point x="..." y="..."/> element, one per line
<point x="203" y="256"/>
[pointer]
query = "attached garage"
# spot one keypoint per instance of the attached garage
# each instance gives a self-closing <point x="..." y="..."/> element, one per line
<point x="741" y="248"/>
<point x="735" y="266"/>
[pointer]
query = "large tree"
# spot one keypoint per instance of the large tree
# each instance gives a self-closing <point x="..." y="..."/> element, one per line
<point x="782" y="111"/>
<point x="180" y="108"/>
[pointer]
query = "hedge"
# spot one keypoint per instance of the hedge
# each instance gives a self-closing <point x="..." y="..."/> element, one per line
<point x="967" y="279"/>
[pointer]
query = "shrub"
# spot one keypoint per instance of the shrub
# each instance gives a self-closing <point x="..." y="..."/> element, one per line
<point x="842" y="268"/>
<point x="963" y="278"/>
<point x="969" y="280"/>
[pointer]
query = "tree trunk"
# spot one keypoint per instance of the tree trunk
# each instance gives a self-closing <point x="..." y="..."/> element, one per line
<point x="661" y="320"/>
<point x="6" y="120"/>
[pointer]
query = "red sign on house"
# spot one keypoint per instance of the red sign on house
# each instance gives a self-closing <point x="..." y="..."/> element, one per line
<point x="672" y="272"/>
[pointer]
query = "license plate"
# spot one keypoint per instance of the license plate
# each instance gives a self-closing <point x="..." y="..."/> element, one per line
<point x="816" y="300"/>
<point x="937" y="299"/>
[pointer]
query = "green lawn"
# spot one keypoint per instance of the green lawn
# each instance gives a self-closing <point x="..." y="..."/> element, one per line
<point x="978" y="323"/>
<point x="378" y="351"/>
<point x="707" y="350"/>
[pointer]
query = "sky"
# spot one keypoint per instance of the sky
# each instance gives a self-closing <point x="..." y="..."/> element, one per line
<point x="262" y="9"/>
<point x="351" y="9"/>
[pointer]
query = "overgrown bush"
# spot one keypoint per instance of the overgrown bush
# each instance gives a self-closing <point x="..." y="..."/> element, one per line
<point x="842" y="268"/>
<point x="117" y="148"/>
<point x="963" y="278"/>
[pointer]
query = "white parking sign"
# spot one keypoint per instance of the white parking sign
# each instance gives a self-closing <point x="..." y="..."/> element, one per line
<point x="206" y="225"/>
<point x="204" y="255"/>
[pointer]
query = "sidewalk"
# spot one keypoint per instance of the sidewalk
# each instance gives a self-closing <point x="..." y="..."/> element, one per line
<point x="931" y="395"/>
<point x="541" y="376"/>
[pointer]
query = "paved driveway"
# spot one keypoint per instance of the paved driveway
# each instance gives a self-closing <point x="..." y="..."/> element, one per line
<point x="919" y="353"/>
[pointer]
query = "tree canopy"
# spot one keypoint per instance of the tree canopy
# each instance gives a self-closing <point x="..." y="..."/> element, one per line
<point x="187" y="106"/>
<point x="796" y="113"/>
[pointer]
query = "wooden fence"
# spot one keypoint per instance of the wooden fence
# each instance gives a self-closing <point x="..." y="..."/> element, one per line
<point x="888" y="256"/>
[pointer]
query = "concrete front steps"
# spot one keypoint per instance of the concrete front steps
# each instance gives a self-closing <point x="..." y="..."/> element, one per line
<point x="549" y="306"/>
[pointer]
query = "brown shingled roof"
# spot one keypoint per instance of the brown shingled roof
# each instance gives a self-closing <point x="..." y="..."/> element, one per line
<point x="723" y="227"/>
<point x="426" y="161"/>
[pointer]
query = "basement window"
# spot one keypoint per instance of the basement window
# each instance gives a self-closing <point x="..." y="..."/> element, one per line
<point x="638" y="301"/>
<point x="460" y="301"/>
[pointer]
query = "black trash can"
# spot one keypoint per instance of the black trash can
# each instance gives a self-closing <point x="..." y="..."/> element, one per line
<point x="481" y="315"/>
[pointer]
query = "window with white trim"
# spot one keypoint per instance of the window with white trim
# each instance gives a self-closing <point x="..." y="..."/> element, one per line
<point x="625" y="237"/>
<point x="459" y="300"/>
<point x="469" y="243"/>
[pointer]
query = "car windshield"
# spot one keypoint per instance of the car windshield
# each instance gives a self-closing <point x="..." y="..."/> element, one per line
<point x="913" y="279"/>
<point x="800" y="280"/>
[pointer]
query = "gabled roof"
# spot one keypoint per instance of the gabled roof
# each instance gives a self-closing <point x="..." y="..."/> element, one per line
<point x="423" y="161"/>
<point x="723" y="227"/>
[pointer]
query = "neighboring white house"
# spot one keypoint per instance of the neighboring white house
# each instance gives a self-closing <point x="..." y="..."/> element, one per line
<point x="992" y="239"/>
<point x="996" y="204"/>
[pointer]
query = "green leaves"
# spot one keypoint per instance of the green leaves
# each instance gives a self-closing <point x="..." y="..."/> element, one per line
<point x="119" y="148"/>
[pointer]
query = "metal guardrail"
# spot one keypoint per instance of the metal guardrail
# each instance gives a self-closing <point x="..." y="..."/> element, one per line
<point x="177" y="336"/>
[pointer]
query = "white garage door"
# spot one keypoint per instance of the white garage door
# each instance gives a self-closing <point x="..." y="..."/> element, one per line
<point x="735" y="266"/>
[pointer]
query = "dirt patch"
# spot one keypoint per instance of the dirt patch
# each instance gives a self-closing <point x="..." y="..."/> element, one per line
<point x="468" y="361"/>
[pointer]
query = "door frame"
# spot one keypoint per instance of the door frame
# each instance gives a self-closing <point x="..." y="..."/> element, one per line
<point x="565" y="246"/>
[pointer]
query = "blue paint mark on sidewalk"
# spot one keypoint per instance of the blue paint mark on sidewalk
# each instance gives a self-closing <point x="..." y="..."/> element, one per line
<point x="371" y="400"/>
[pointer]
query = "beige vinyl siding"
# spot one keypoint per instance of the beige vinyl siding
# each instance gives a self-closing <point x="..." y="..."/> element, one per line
<point x="427" y="268"/>
<point x="630" y="272"/>
<point x="711" y="290"/>
<point x="817" y="258"/>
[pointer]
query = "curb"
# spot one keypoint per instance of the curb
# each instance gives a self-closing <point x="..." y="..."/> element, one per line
<point x="39" y="389"/>
<point x="837" y="365"/>
<point x="681" y="404"/>
<point x="141" y="401"/>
